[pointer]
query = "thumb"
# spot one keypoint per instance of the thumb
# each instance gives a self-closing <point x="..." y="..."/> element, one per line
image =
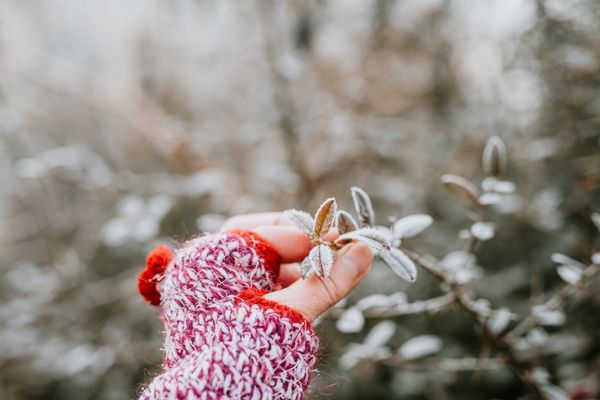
<point x="315" y="295"/>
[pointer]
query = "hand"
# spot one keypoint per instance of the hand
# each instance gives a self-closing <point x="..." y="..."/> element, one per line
<point x="312" y="296"/>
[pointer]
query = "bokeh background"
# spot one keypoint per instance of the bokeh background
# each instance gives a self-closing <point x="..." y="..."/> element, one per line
<point x="125" y="124"/>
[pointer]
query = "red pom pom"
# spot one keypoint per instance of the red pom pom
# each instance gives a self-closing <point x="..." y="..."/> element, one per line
<point x="158" y="259"/>
<point x="147" y="287"/>
<point x="156" y="262"/>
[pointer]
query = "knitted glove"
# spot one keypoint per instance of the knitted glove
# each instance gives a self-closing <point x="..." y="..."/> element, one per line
<point x="223" y="339"/>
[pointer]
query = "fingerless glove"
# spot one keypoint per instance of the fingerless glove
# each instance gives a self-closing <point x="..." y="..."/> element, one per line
<point x="223" y="339"/>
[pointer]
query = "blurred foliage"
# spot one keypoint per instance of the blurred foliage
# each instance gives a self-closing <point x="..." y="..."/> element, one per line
<point x="125" y="124"/>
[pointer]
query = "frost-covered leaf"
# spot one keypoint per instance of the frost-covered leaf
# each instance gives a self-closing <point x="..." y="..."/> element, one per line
<point x="461" y="187"/>
<point x="363" y="206"/>
<point x="400" y="263"/>
<point x="560" y="258"/>
<point x="321" y="260"/>
<point x="494" y="156"/>
<point x="596" y="220"/>
<point x="345" y="223"/>
<point x="483" y="230"/>
<point x="491" y="184"/>
<point x="596" y="258"/>
<point x="547" y="317"/>
<point x="420" y="346"/>
<point x="499" y="321"/>
<point x="381" y="300"/>
<point x="324" y="217"/>
<point x="380" y="334"/>
<point x="301" y="220"/>
<point x="351" y="321"/>
<point x="306" y="269"/>
<point x="372" y="237"/>
<point x="411" y="225"/>
<point x="489" y="199"/>
<point x="552" y="392"/>
<point x="571" y="274"/>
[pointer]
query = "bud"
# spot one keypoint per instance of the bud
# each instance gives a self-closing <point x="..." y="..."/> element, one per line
<point x="494" y="156"/>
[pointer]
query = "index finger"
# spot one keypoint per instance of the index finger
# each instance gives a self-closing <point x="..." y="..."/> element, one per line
<point x="291" y="244"/>
<point x="250" y="221"/>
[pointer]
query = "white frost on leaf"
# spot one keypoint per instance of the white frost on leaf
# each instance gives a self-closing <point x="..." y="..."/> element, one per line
<point x="411" y="225"/>
<point x="324" y="217"/>
<point x="301" y="220"/>
<point x="596" y="220"/>
<point x="363" y="206"/>
<point x="372" y="237"/>
<point x="351" y="321"/>
<point x="380" y="334"/>
<point x="321" y="260"/>
<point x="483" y="230"/>
<point x="420" y="346"/>
<point x="548" y="317"/>
<point x="571" y="274"/>
<point x="596" y="258"/>
<point x="345" y="223"/>
<point x="500" y="320"/>
<point x="400" y="263"/>
<point x="461" y="187"/>
<point x="491" y="184"/>
<point x="306" y="269"/>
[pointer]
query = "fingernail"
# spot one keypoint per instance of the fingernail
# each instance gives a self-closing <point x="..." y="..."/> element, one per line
<point x="357" y="259"/>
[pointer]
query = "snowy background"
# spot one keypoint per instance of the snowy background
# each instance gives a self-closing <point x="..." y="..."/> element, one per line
<point x="126" y="124"/>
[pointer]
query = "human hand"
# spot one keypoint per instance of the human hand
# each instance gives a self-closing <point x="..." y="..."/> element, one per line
<point x="312" y="296"/>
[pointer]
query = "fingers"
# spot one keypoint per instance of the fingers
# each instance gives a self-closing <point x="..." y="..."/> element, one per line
<point x="314" y="296"/>
<point x="250" y="221"/>
<point x="291" y="244"/>
<point x="288" y="274"/>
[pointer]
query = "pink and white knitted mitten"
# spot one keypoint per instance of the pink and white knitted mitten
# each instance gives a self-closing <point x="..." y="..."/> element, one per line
<point x="223" y="339"/>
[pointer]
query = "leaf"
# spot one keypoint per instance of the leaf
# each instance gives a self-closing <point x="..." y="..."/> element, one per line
<point x="491" y="184"/>
<point x="560" y="258"/>
<point x="301" y="220"/>
<point x="420" y="346"/>
<point x="400" y="263"/>
<point x="351" y="321"/>
<point x="363" y="206"/>
<point x="380" y="334"/>
<point x="461" y="187"/>
<point x="306" y="269"/>
<point x="483" y="230"/>
<point x="345" y="223"/>
<point x="546" y="317"/>
<point x="373" y="238"/>
<point x="596" y="220"/>
<point x="321" y="260"/>
<point x="500" y="320"/>
<point x="411" y="225"/>
<point x="570" y="273"/>
<point x="494" y="156"/>
<point x="596" y="258"/>
<point x="489" y="199"/>
<point x="324" y="217"/>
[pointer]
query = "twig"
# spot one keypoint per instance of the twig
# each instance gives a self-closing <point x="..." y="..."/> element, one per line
<point x="417" y="307"/>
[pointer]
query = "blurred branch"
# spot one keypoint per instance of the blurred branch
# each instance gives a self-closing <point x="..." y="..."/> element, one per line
<point x="523" y="371"/>
<point x="432" y="305"/>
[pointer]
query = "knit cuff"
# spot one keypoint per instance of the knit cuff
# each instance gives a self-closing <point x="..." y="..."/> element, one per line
<point x="253" y="296"/>
<point x="265" y="251"/>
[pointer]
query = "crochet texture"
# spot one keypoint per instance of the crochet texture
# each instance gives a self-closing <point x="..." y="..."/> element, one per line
<point x="223" y="340"/>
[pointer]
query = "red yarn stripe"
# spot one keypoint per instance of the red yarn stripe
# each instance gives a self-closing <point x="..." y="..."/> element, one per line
<point x="264" y="249"/>
<point x="255" y="296"/>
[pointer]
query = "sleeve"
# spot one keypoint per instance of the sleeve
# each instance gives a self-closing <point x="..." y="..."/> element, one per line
<point x="223" y="339"/>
